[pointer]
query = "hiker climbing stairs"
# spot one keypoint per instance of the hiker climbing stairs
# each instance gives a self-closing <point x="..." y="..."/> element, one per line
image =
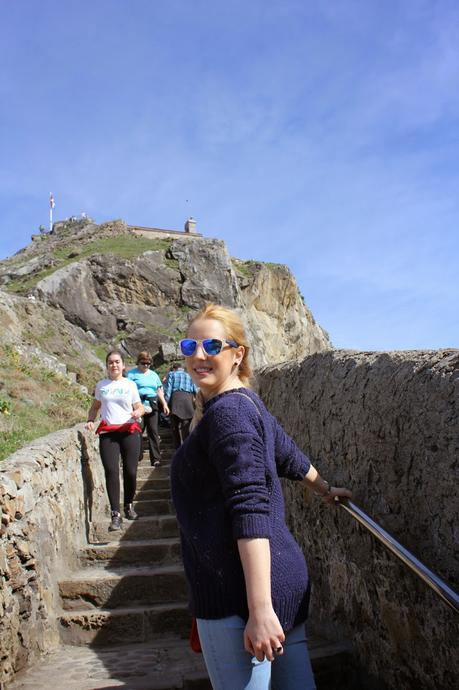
<point x="124" y="620"/>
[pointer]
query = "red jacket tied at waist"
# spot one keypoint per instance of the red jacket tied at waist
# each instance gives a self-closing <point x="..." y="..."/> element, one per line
<point x="130" y="427"/>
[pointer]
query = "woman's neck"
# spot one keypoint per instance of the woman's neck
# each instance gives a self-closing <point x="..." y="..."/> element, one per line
<point x="229" y="385"/>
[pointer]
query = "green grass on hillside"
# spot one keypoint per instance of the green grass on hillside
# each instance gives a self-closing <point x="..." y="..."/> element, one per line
<point x="34" y="401"/>
<point x="246" y="267"/>
<point x="125" y="246"/>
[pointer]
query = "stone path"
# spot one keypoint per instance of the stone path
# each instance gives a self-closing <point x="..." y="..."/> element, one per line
<point x="124" y="620"/>
<point x="161" y="665"/>
<point x="166" y="664"/>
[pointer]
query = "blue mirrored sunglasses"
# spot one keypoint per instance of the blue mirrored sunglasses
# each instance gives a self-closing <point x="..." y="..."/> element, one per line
<point x="211" y="346"/>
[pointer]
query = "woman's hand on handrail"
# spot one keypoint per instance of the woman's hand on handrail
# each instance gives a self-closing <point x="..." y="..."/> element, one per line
<point x="336" y="492"/>
<point x="324" y="489"/>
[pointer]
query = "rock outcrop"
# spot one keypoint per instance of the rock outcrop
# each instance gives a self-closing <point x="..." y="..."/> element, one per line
<point x="387" y="426"/>
<point x="36" y="330"/>
<point x="140" y="293"/>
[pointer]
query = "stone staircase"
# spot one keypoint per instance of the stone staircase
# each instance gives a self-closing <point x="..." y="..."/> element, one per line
<point x="124" y="620"/>
<point x="132" y="588"/>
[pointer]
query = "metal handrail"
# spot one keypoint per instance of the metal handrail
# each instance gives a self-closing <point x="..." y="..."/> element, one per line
<point x="441" y="588"/>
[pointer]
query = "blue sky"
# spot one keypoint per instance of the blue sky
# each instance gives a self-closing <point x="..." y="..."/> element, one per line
<point x="320" y="134"/>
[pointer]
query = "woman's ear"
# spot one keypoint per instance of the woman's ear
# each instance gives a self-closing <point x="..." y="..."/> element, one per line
<point x="239" y="354"/>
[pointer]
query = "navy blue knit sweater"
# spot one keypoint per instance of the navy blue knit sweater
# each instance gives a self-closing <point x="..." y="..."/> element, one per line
<point x="225" y="486"/>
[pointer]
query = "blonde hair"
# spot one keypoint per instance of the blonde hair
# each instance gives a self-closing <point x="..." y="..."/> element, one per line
<point x="235" y="330"/>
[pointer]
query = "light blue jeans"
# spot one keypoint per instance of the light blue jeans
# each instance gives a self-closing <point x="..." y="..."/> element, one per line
<point x="230" y="667"/>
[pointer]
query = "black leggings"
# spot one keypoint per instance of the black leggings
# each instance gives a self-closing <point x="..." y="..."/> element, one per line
<point x="111" y="445"/>
<point x="150" y="421"/>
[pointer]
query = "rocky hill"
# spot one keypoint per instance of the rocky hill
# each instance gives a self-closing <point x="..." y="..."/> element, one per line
<point x="72" y="293"/>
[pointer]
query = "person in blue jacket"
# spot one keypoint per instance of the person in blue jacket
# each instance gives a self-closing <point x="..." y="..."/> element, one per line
<point x="151" y="391"/>
<point x="248" y="579"/>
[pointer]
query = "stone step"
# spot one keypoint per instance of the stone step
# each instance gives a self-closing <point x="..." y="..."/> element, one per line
<point x="159" y="551"/>
<point x="165" y="445"/>
<point x="149" y="472"/>
<point x="166" y="457"/>
<point x="151" y="494"/>
<point x="123" y="586"/>
<point x="146" y="527"/>
<point x="153" y="483"/>
<point x="163" y="664"/>
<point x="124" y="625"/>
<point x="157" y="506"/>
<point x="332" y="665"/>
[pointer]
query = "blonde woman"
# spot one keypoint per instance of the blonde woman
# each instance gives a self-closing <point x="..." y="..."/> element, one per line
<point x="248" y="579"/>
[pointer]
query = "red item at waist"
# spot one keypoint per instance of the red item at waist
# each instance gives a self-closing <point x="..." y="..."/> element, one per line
<point x="105" y="428"/>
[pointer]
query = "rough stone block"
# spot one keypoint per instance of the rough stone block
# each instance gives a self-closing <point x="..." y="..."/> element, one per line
<point x="43" y="528"/>
<point x="169" y="352"/>
<point x="26" y="499"/>
<point x="8" y="487"/>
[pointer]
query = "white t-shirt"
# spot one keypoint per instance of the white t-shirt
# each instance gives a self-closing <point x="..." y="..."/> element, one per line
<point x="117" y="399"/>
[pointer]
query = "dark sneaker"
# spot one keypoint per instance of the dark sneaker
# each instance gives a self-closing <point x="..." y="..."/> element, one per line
<point x="116" y="522"/>
<point x="129" y="512"/>
<point x="156" y="463"/>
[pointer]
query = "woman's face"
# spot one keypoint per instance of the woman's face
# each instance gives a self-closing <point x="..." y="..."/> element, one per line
<point x="213" y="374"/>
<point x="143" y="365"/>
<point x="115" y="366"/>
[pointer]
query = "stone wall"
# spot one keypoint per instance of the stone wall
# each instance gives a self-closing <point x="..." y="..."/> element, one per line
<point x="160" y="233"/>
<point x="387" y="426"/>
<point x="50" y="492"/>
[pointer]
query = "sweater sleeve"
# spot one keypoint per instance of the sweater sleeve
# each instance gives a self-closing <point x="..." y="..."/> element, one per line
<point x="237" y="452"/>
<point x="291" y="463"/>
